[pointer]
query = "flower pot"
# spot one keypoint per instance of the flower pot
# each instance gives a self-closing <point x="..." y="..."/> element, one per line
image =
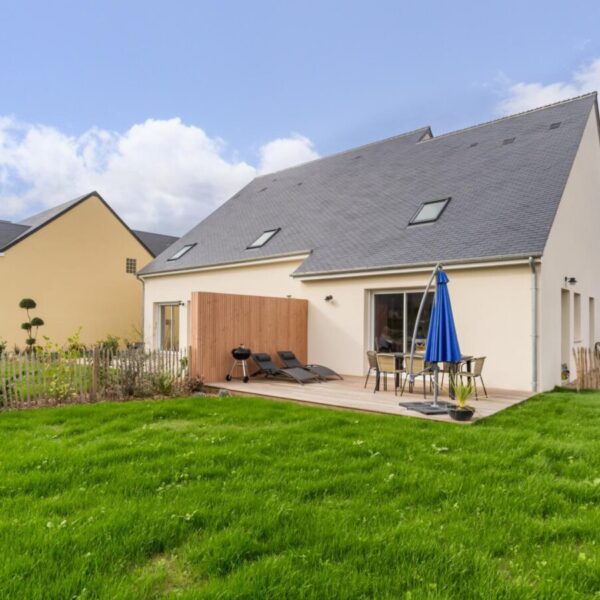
<point x="461" y="414"/>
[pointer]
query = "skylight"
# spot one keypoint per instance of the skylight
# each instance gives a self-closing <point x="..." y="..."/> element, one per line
<point x="429" y="211"/>
<point x="181" y="252"/>
<point x="263" y="238"/>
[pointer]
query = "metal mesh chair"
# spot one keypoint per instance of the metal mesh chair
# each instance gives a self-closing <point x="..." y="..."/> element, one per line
<point x="474" y="374"/>
<point x="372" y="358"/>
<point x="386" y="365"/>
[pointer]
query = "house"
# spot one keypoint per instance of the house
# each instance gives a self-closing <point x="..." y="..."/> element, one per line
<point x="511" y="208"/>
<point x="78" y="261"/>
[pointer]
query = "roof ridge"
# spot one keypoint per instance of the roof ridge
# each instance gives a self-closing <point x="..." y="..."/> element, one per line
<point x="59" y="208"/>
<point x="506" y="117"/>
<point x="425" y="128"/>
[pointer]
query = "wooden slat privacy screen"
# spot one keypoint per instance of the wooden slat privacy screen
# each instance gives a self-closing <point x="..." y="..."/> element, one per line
<point x="220" y="322"/>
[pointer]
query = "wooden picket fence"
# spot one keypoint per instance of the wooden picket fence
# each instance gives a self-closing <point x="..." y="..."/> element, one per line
<point x="587" y="364"/>
<point x="50" y="378"/>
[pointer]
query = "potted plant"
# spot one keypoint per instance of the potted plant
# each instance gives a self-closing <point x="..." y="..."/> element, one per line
<point x="462" y="392"/>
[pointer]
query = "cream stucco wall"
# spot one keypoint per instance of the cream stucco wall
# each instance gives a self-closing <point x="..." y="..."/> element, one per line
<point x="74" y="268"/>
<point x="572" y="250"/>
<point x="491" y="308"/>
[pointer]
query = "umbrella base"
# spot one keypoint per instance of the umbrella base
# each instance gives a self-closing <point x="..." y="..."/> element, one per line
<point x="428" y="408"/>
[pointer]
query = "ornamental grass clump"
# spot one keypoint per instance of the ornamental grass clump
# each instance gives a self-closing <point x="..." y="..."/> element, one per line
<point x="462" y="392"/>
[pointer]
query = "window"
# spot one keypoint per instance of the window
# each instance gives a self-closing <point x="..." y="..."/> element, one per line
<point x="577" y="317"/>
<point x="130" y="265"/>
<point x="429" y="211"/>
<point x="263" y="238"/>
<point x="182" y="251"/>
<point x="169" y="327"/>
<point x="394" y="319"/>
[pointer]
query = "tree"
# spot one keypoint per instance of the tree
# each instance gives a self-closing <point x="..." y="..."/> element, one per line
<point x="32" y="323"/>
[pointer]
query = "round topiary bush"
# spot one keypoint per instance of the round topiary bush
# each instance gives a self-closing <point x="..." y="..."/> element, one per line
<point x="27" y="303"/>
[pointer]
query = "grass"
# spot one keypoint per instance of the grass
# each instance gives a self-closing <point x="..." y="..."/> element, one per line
<point x="248" y="498"/>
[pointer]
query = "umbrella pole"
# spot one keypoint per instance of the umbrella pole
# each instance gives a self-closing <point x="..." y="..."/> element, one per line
<point x="436" y="372"/>
<point x="416" y="329"/>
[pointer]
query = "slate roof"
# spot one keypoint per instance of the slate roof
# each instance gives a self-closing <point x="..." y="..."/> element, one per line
<point x="13" y="233"/>
<point x="351" y="210"/>
<point x="9" y="232"/>
<point x="155" y="242"/>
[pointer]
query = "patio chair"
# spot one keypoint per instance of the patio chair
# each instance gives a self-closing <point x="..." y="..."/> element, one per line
<point x="372" y="358"/>
<point x="268" y="368"/>
<point x="289" y="361"/>
<point x="420" y="369"/>
<point x="474" y="373"/>
<point x="386" y="365"/>
<point x="450" y="369"/>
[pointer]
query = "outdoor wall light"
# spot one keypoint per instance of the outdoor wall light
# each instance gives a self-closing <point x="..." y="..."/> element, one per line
<point x="328" y="298"/>
<point x="570" y="280"/>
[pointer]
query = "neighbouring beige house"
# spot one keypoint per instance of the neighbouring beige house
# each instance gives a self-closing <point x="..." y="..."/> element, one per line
<point x="78" y="261"/>
<point x="511" y="208"/>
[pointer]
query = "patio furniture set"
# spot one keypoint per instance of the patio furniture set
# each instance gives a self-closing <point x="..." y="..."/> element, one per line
<point x="398" y="364"/>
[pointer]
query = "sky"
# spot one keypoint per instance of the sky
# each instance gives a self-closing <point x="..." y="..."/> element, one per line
<point x="168" y="108"/>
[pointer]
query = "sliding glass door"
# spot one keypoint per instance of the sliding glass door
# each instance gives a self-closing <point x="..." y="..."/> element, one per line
<point x="394" y="317"/>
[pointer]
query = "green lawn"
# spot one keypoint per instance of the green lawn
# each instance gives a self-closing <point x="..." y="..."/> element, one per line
<point x="248" y="498"/>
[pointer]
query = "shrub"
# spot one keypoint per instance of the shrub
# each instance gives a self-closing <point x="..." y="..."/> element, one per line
<point x="75" y="347"/>
<point x="193" y="384"/>
<point x="110" y="344"/>
<point x="164" y="384"/>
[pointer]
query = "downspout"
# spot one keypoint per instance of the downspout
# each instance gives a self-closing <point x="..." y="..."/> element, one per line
<point x="534" y="325"/>
<point x="143" y="340"/>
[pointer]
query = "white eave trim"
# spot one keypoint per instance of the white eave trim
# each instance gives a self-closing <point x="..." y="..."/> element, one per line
<point x="269" y="260"/>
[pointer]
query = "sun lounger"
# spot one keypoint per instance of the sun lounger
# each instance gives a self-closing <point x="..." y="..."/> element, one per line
<point x="268" y="368"/>
<point x="289" y="360"/>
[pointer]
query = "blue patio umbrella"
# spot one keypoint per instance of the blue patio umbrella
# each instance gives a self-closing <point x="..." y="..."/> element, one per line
<point x="442" y="341"/>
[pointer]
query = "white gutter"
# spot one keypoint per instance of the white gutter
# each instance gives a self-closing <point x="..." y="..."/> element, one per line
<point x="231" y="265"/>
<point x="509" y="262"/>
<point x="534" y="325"/>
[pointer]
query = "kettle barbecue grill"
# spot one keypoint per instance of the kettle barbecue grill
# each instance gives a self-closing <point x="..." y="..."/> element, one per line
<point x="241" y="354"/>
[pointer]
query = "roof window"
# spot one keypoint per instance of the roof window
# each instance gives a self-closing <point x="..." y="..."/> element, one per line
<point x="508" y="141"/>
<point x="429" y="211"/>
<point x="263" y="238"/>
<point x="181" y="252"/>
<point x="555" y="125"/>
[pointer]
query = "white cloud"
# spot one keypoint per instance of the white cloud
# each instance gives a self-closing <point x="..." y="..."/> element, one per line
<point x="285" y="152"/>
<point x="523" y="96"/>
<point x="160" y="175"/>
